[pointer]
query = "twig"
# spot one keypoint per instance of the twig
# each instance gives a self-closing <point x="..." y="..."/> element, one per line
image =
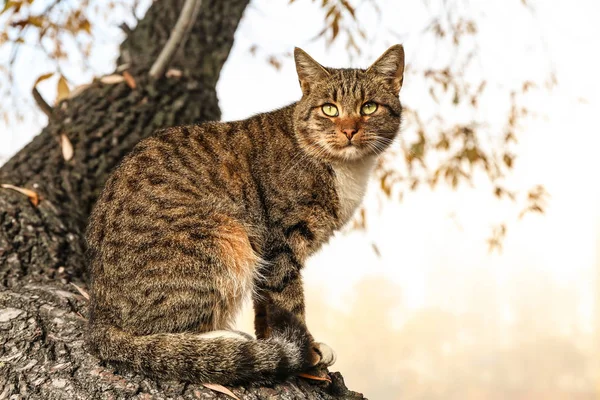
<point x="83" y="292"/>
<point x="125" y="28"/>
<point x="45" y="107"/>
<point x="179" y="35"/>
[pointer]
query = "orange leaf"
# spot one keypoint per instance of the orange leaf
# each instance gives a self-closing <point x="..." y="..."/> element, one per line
<point x="129" y="80"/>
<point x="220" y="389"/>
<point x="85" y="26"/>
<point x="11" y="3"/>
<point x="66" y="146"/>
<point x="315" y="378"/>
<point x="62" y="89"/>
<point x="33" y="196"/>
<point x="335" y="28"/>
<point x="36" y="21"/>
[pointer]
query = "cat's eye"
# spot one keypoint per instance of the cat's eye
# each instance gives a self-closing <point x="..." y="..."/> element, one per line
<point x="330" y="110"/>
<point x="368" y="108"/>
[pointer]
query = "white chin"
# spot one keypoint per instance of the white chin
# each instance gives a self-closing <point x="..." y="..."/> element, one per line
<point x="349" y="153"/>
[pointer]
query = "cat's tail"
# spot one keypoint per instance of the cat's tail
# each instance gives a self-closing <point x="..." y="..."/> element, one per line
<point x="221" y="357"/>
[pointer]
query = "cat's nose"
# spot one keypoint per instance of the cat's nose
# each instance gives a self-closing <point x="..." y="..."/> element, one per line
<point x="349" y="133"/>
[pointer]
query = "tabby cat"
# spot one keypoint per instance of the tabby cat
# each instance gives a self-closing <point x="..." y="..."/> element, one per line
<point x="196" y="218"/>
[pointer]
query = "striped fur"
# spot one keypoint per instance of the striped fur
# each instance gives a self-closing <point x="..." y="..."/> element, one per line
<point x="197" y="218"/>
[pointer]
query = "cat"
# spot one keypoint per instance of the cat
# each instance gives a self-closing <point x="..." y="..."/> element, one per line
<point x="196" y="218"/>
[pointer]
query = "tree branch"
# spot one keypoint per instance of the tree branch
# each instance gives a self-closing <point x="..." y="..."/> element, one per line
<point x="179" y="35"/>
<point x="44" y="357"/>
<point x="45" y="107"/>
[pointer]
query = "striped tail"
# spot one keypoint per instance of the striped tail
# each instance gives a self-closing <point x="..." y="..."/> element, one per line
<point x="221" y="357"/>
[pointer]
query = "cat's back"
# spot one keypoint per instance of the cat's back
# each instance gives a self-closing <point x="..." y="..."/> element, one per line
<point x="184" y="171"/>
<point x="210" y="149"/>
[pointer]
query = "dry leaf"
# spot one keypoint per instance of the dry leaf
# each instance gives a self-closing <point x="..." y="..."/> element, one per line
<point x="33" y="196"/>
<point x="112" y="79"/>
<point x="220" y="389"/>
<point x="66" y="146"/>
<point x="174" y="73"/>
<point x="129" y="80"/>
<point x="42" y="78"/>
<point x="315" y="378"/>
<point x="62" y="89"/>
<point x="83" y="292"/>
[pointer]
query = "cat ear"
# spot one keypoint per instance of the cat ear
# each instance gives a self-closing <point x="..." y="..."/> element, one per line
<point x="309" y="71"/>
<point x="391" y="64"/>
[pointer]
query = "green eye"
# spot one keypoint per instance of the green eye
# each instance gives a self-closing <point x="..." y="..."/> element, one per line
<point x="330" y="110"/>
<point x="368" y="108"/>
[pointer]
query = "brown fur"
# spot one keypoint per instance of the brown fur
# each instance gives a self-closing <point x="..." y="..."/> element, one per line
<point x="198" y="217"/>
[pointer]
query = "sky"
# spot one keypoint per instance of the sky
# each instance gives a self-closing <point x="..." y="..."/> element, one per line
<point x="432" y="245"/>
<point x="557" y="148"/>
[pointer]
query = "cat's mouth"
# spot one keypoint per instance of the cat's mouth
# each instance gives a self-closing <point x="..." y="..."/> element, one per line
<point x="348" y="151"/>
<point x="342" y="146"/>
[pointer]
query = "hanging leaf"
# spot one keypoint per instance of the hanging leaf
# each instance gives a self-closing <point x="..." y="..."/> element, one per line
<point x="36" y="21"/>
<point x="330" y="11"/>
<point x="85" y="26"/>
<point x="335" y="28"/>
<point x="33" y="196"/>
<point x="349" y="8"/>
<point x="62" y="89"/>
<point x="16" y="5"/>
<point x="42" y="78"/>
<point x="274" y="62"/>
<point x="220" y="389"/>
<point x="66" y="146"/>
<point x="498" y="192"/>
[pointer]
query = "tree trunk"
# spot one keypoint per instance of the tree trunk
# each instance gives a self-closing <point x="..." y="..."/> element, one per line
<point x="42" y="317"/>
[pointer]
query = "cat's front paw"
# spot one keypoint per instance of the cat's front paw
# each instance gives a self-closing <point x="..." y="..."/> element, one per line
<point x="326" y="355"/>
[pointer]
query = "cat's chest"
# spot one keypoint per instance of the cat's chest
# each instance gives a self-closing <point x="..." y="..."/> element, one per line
<point x="351" y="181"/>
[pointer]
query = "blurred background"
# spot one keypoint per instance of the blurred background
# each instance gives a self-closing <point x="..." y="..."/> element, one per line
<point x="473" y="269"/>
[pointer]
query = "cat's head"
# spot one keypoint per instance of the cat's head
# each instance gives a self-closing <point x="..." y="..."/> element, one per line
<point x="348" y="114"/>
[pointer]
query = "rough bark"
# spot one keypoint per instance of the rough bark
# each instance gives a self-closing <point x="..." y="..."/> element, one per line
<point x="43" y="357"/>
<point x="103" y="123"/>
<point x="42" y="318"/>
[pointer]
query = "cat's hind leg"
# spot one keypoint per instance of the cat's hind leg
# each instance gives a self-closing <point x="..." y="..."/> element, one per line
<point x="194" y="277"/>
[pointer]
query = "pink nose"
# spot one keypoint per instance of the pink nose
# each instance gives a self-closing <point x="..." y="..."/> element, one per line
<point x="349" y="133"/>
